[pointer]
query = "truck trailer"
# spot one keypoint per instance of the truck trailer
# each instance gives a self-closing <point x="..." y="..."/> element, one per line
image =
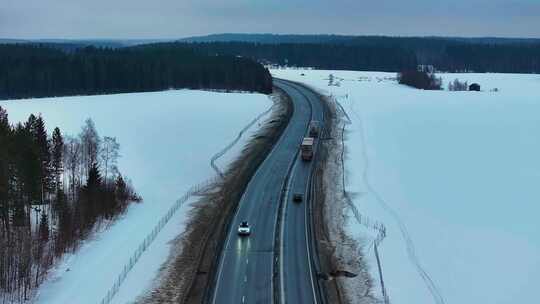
<point x="306" y="148"/>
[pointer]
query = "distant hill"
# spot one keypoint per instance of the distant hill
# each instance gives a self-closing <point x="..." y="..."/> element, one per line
<point x="11" y="41"/>
<point x="406" y="42"/>
<point x="276" y="39"/>
<point x="498" y="40"/>
<point x="105" y="43"/>
<point x="73" y="44"/>
<point x="347" y="39"/>
<point x="269" y="38"/>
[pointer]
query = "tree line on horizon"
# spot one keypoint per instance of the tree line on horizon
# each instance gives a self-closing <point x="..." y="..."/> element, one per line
<point x="28" y="71"/>
<point x="489" y="58"/>
<point x="34" y="70"/>
<point x="54" y="191"/>
<point x="316" y="55"/>
<point x="391" y="54"/>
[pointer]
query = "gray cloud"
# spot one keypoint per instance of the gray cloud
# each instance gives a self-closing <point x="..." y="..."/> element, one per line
<point x="180" y="18"/>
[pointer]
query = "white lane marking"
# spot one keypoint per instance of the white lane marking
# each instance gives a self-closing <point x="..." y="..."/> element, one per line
<point x="308" y="218"/>
<point x="221" y="268"/>
<point x="287" y="193"/>
<point x="279" y="143"/>
<point x="307" y="208"/>
<point x="282" y="232"/>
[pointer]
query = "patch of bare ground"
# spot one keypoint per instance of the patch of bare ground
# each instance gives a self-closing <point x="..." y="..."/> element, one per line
<point x="189" y="271"/>
<point x="341" y="257"/>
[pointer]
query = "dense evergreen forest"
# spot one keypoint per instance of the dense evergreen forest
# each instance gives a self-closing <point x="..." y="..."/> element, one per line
<point x="321" y="56"/>
<point x="40" y="71"/>
<point x="54" y="190"/>
<point x="381" y="53"/>
<point x="491" y="58"/>
<point x="33" y="70"/>
<point x="496" y="55"/>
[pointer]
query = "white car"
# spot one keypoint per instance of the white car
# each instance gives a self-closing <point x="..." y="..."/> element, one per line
<point x="243" y="228"/>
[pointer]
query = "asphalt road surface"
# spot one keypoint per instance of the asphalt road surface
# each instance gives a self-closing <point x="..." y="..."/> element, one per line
<point x="246" y="265"/>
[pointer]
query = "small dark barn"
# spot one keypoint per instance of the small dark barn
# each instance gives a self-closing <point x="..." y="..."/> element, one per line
<point x="474" y="87"/>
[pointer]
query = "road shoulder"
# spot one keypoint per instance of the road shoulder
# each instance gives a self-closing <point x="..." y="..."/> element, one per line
<point x="185" y="277"/>
<point x="343" y="267"/>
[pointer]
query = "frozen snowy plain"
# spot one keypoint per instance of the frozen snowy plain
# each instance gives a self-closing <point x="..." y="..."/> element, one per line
<point x="167" y="140"/>
<point x="460" y="169"/>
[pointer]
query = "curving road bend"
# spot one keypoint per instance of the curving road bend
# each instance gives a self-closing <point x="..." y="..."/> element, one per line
<point x="246" y="265"/>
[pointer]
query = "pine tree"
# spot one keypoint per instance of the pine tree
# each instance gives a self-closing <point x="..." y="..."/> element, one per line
<point x="40" y="136"/>
<point x="57" y="157"/>
<point x="94" y="178"/>
<point x="30" y="123"/>
<point x="44" y="227"/>
<point x="91" y="200"/>
<point x="27" y="165"/>
<point x="121" y="189"/>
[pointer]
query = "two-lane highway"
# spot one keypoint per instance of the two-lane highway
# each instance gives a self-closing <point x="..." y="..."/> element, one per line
<point x="246" y="265"/>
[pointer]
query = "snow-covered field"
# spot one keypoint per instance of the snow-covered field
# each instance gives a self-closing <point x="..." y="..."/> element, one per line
<point x="167" y="140"/>
<point x="459" y="170"/>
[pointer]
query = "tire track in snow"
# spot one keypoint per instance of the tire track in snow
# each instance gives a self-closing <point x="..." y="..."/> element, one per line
<point x="411" y="249"/>
<point x="234" y="142"/>
<point x="364" y="221"/>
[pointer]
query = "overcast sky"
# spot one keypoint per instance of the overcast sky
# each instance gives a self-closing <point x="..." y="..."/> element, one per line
<point x="182" y="18"/>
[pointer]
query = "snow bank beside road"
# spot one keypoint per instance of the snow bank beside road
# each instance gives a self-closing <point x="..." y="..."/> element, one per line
<point x="460" y="170"/>
<point x="167" y="140"/>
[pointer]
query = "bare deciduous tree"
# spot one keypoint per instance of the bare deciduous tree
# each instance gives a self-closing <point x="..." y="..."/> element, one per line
<point x="109" y="155"/>
<point x="72" y="162"/>
<point x="29" y="248"/>
<point x="90" y="142"/>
